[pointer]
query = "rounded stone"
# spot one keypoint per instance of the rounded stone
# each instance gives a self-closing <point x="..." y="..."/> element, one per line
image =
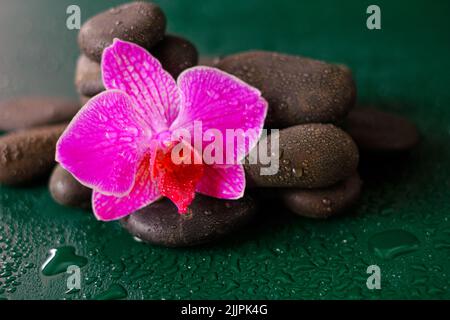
<point x="88" y="77"/>
<point x="308" y="156"/>
<point x="299" y="90"/>
<point x="67" y="191"/>
<point x="326" y="202"/>
<point x="380" y="132"/>
<point x="139" y="22"/>
<point x="176" y="54"/>
<point x="28" y="112"/>
<point x="208" y="219"/>
<point x="28" y="155"/>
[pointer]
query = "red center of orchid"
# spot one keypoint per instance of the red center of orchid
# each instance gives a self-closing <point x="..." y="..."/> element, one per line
<point x="177" y="180"/>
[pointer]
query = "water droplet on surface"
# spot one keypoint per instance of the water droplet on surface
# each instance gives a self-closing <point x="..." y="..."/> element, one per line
<point x="60" y="259"/>
<point x="115" y="292"/>
<point x="115" y="11"/>
<point x="392" y="243"/>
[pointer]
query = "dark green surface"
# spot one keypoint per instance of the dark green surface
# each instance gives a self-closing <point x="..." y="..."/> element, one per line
<point x="404" y="68"/>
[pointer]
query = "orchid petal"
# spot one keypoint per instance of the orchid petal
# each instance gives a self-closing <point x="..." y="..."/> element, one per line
<point x="223" y="182"/>
<point x="144" y="192"/>
<point x="221" y="101"/>
<point x="132" y="69"/>
<point x="101" y="146"/>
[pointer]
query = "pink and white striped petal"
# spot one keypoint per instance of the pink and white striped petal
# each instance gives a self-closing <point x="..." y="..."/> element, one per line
<point x="221" y="101"/>
<point x="144" y="192"/>
<point x="132" y="69"/>
<point x="223" y="182"/>
<point x="102" y="145"/>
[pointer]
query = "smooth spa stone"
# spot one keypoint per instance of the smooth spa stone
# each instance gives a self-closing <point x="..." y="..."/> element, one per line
<point x="309" y="156"/>
<point x="176" y="54"/>
<point x="326" y="202"/>
<point x="299" y="90"/>
<point x="35" y="111"/>
<point x="143" y="23"/>
<point x="67" y="191"/>
<point x="379" y="132"/>
<point x="28" y="155"/>
<point x="88" y="77"/>
<point x="208" y="219"/>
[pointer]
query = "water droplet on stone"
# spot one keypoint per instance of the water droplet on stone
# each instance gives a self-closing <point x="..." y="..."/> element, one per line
<point x="298" y="172"/>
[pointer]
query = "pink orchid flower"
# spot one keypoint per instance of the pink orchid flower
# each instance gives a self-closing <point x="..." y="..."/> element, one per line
<point x="119" y="143"/>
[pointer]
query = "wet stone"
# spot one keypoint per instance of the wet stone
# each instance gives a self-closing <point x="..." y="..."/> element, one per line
<point x="380" y="132"/>
<point x="28" y="155"/>
<point x="309" y="156"/>
<point x="176" y="54"/>
<point x="208" y="219"/>
<point x="88" y="77"/>
<point x="28" y="112"/>
<point x="139" y="22"/>
<point x="67" y="191"/>
<point x="326" y="202"/>
<point x="299" y="90"/>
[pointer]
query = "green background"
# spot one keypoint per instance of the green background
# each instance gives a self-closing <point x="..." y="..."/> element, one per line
<point x="404" y="68"/>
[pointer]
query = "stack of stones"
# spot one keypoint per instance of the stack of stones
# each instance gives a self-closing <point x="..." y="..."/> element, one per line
<point x="310" y="101"/>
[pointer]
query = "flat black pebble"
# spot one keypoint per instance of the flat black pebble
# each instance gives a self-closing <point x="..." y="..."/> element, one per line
<point x="28" y="155"/>
<point x="67" y="191"/>
<point x="140" y="22"/>
<point x="209" y="219"/>
<point x="323" y="203"/>
<point x="380" y="132"/>
<point x="299" y="90"/>
<point x="28" y="112"/>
